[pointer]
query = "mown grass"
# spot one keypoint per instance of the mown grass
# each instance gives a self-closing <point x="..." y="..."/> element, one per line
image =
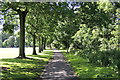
<point x="46" y="55"/>
<point x="25" y="69"/>
<point x="84" y="69"/>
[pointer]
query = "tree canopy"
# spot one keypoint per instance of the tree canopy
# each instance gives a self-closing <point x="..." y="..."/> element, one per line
<point x="88" y="29"/>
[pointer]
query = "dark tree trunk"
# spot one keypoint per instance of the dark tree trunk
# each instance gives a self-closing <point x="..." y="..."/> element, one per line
<point x="22" y="15"/>
<point x="118" y="66"/>
<point x="68" y="44"/>
<point x="40" y="46"/>
<point x="44" y="45"/>
<point x="34" y="46"/>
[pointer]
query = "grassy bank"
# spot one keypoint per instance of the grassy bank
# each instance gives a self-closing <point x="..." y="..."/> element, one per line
<point x="84" y="69"/>
<point x="25" y="69"/>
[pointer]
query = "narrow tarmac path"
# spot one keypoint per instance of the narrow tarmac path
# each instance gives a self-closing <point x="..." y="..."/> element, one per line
<point x="58" y="69"/>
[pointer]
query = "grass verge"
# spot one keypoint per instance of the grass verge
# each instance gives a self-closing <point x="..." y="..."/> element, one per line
<point x="25" y="69"/>
<point x="83" y="69"/>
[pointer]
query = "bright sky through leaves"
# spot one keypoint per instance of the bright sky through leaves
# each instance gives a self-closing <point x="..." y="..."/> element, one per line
<point x="1" y="26"/>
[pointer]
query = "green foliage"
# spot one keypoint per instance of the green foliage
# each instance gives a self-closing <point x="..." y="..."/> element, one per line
<point x="98" y="39"/>
<point x="7" y="40"/>
<point x="5" y="35"/>
<point x="56" y="44"/>
<point x="84" y="69"/>
<point x="89" y="29"/>
<point x="10" y="20"/>
<point x="66" y="24"/>
<point x="5" y="44"/>
<point x="106" y="5"/>
<point x="11" y="41"/>
<point x="17" y="40"/>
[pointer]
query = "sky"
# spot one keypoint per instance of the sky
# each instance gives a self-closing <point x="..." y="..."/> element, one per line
<point x="1" y="22"/>
<point x="1" y="26"/>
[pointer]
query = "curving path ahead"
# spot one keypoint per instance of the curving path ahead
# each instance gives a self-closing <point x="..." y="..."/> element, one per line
<point x="58" y="69"/>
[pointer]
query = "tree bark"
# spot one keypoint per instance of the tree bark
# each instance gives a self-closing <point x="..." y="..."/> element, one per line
<point x="34" y="46"/>
<point x="44" y="45"/>
<point x="118" y="66"/>
<point x="68" y="44"/>
<point x="40" y="46"/>
<point x="22" y="15"/>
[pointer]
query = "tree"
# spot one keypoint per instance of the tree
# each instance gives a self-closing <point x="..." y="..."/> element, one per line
<point x="17" y="40"/>
<point x="22" y="15"/>
<point x="22" y="11"/>
<point x="66" y="24"/>
<point x="97" y="38"/>
<point x="11" y="41"/>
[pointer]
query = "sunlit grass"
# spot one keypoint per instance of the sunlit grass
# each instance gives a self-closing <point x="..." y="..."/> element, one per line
<point x="25" y="69"/>
<point x="45" y="55"/>
<point x="84" y="69"/>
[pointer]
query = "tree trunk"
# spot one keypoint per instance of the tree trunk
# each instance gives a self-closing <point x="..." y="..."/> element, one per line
<point x="68" y="46"/>
<point x="22" y="15"/>
<point x="44" y="45"/>
<point x="39" y="45"/>
<point x="118" y="66"/>
<point x="34" y="42"/>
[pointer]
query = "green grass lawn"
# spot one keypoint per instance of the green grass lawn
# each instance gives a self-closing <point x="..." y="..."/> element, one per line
<point x="25" y="69"/>
<point x="84" y="69"/>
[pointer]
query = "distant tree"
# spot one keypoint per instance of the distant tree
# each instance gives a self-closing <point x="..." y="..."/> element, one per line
<point x="17" y="41"/>
<point x="0" y="39"/>
<point x="5" y="43"/>
<point x="11" y="41"/>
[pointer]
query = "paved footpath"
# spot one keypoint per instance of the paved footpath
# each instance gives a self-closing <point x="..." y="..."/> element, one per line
<point x="58" y="69"/>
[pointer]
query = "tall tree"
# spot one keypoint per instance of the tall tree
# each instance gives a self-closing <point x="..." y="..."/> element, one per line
<point x="22" y="15"/>
<point x="22" y="10"/>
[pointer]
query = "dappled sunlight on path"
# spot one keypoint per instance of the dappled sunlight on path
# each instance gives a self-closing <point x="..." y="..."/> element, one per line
<point x="58" y="69"/>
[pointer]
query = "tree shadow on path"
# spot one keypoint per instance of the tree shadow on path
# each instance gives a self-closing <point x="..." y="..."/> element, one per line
<point x="58" y="69"/>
